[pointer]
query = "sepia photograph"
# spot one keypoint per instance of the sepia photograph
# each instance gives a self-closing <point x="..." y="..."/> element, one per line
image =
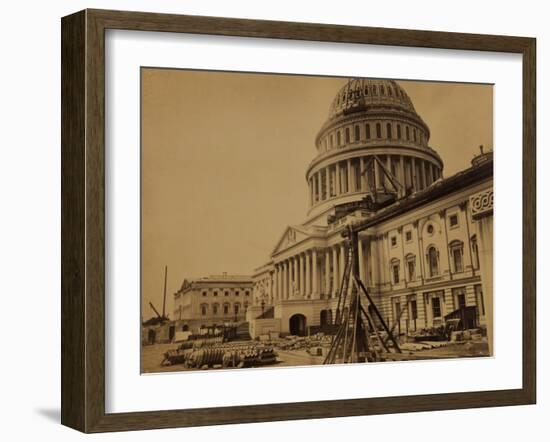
<point x="293" y="220"/>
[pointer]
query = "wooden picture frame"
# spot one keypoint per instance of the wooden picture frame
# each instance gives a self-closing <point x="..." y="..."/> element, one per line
<point x="83" y="220"/>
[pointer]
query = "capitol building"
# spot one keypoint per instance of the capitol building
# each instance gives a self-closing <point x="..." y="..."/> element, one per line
<point x="425" y="247"/>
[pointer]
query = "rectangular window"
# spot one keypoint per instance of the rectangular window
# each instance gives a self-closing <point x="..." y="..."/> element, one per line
<point x="203" y="293"/>
<point x="397" y="307"/>
<point x="453" y="220"/>
<point x="215" y="293"/>
<point x="414" y="310"/>
<point x="367" y="127"/>
<point x="408" y="236"/>
<point x="236" y="293"/>
<point x="459" y="297"/>
<point x="436" y="307"/>
<point x="226" y="293"/>
<point x="357" y="133"/>
<point x="393" y="241"/>
<point x="479" y="299"/>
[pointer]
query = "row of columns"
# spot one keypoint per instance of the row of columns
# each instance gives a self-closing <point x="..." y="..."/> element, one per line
<point x="346" y="177"/>
<point x="296" y="276"/>
<point x="313" y="273"/>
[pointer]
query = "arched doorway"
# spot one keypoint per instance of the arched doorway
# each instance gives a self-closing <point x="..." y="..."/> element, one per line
<point x="297" y="324"/>
<point x="326" y="318"/>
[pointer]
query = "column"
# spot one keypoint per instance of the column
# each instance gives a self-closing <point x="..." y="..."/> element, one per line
<point x="278" y="282"/>
<point x="402" y="180"/>
<point x="482" y="212"/>
<point x="303" y="274"/>
<point x="285" y="279"/>
<point x="388" y="167"/>
<point x="374" y="258"/>
<point x="423" y="173"/>
<point x="314" y="280"/>
<point x="448" y="270"/>
<point x="318" y="180"/>
<point x="295" y="276"/>
<point x="281" y="281"/>
<point x="430" y="173"/>
<point x="335" y="272"/>
<point x="413" y="174"/>
<point x="349" y="176"/>
<point x="307" y="274"/>
<point x="338" y="173"/>
<point x="364" y="186"/>
<point x="361" y="260"/>
<point x="327" y="272"/>
<point x="311" y="192"/>
<point x="342" y="264"/>
<point x="377" y="175"/>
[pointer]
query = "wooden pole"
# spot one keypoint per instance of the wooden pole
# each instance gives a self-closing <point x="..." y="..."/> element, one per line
<point x="164" y="301"/>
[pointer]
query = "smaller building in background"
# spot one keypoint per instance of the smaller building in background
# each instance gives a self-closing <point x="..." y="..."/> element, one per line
<point x="212" y="300"/>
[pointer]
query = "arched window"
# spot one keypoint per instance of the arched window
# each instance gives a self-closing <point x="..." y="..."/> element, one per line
<point x="374" y="91"/>
<point x="331" y="141"/>
<point x="398" y="131"/>
<point x="382" y="90"/>
<point x="475" y="252"/>
<point x="378" y="130"/>
<point x="433" y="261"/>
<point x="366" y="90"/>
<point x="414" y="135"/>
<point x="215" y="308"/>
<point x="347" y="135"/>
<point x="226" y="308"/>
<point x="367" y="130"/>
<point x="204" y="309"/>
<point x="388" y="130"/>
<point x="338" y="138"/>
<point x="236" y="308"/>
<point x="390" y="93"/>
<point x="407" y="133"/>
<point x="357" y="133"/>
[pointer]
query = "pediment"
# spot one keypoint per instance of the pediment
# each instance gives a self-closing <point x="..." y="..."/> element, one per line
<point x="290" y="236"/>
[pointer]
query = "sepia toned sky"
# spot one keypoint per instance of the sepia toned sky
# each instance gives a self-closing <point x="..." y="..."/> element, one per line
<point x="224" y="157"/>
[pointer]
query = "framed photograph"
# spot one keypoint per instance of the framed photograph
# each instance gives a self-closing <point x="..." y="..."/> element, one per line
<point x="267" y="221"/>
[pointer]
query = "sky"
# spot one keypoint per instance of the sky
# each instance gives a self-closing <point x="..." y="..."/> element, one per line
<point x="224" y="157"/>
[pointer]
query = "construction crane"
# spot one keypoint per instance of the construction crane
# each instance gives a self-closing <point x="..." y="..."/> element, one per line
<point x="360" y="324"/>
<point x="376" y="199"/>
<point x="160" y="319"/>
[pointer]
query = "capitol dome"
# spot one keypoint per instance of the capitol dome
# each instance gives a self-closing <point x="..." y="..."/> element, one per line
<point x="370" y="117"/>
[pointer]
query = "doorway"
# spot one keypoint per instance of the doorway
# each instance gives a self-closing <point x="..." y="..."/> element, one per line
<point x="297" y="325"/>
